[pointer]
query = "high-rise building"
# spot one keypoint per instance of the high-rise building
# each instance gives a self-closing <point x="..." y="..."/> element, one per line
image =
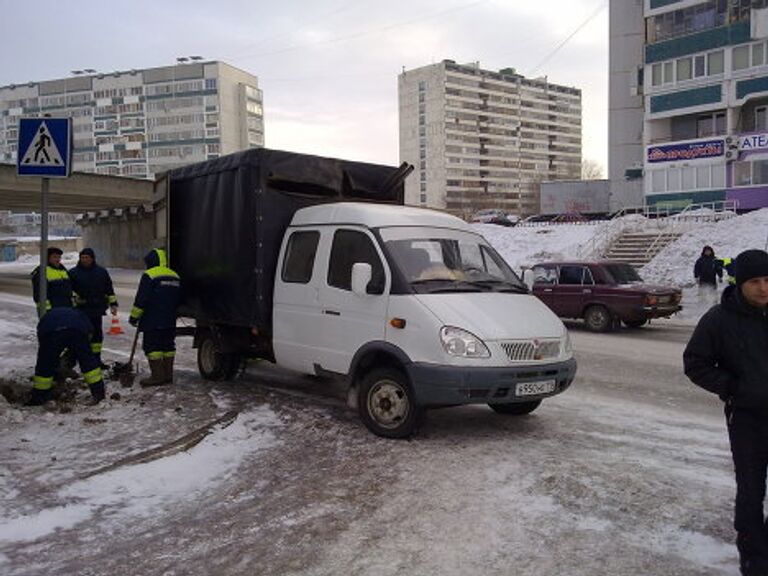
<point x="697" y="74"/>
<point x="482" y="139"/>
<point x="141" y="122"/>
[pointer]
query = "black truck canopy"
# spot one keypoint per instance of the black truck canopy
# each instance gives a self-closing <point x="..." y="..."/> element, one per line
<point x="227" y="217"/>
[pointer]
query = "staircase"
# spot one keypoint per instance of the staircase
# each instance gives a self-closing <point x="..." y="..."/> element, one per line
<point x="639" y="248"/>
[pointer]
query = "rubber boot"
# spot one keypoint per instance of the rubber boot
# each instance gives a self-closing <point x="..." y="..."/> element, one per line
<point x="168" y="369"/>
<point x="157" y="376"/>
<point x="97" y="391"/>
<point x="39" y="397"/>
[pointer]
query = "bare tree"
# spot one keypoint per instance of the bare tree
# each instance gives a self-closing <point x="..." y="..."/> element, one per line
<point x="591" y="170"/>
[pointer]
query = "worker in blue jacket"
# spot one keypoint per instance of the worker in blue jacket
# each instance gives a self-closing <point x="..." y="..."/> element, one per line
<point x="94" y="293"/>
<point x="59" y="329"/>
<point x="59" y="290"/>
<point x="154" y="313"/>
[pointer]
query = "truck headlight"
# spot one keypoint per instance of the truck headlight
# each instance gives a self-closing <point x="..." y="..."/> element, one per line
<point x="458" y="342"/>
<point x="567" y="346"/>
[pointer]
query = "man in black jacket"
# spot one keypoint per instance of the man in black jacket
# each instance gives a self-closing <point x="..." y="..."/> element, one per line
<point x="728" y="355"/>
<point x="94" y="293"/>
<point x="707" y="271"/>
<point x="59" y="289"/>
<point x="154" y="313"/>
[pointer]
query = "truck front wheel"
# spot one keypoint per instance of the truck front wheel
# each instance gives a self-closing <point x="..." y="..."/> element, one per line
<point x="212" y="364"/>
<point x="387" y="405"/>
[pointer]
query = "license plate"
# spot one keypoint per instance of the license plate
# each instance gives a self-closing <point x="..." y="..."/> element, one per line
<point x="535" y="388"/>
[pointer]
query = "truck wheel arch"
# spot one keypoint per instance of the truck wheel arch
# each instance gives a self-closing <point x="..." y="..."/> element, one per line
<point x="373" y="354"/>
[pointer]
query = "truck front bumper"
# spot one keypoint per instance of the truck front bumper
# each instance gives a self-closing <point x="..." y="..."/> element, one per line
<point x="440" y="385"/>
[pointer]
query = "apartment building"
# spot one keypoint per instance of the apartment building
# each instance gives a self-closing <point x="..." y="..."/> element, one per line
<point x="701" y="83"/>
<point x="139" y="123"/>
<point x="484" y="139"/>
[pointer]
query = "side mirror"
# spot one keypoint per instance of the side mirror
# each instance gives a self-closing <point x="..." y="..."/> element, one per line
<point x="361" y="276"/>
<point x="528" y="278"/>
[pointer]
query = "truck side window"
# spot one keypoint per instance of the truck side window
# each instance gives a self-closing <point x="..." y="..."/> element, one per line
<point x="350" y="247"/>
<point x="300" y="257"/>
<point x="571" y="275"/>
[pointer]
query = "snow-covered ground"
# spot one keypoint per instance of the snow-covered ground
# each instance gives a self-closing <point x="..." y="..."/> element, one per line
<point x="628" y="472"/>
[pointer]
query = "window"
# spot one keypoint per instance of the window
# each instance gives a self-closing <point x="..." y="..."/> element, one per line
<point x="300" y="257"/>
<point x="689" y="178"/>
<point x="673" y="179"/>
<point x="210" y="83"/>
<point x="742" y="173"/>
<point x="544" y="275"/>
<point x="684" y="69"/>
<point x="718" y="176"/>
<point x="758" y="54"/>
<point x="760" y="118"/>
<point x="715" y="63"/>
<point x="703" y="177"/>
<point x="710" y="124"/>
<point x="699" y="68"/>
<point x="760" y="172"/>
<point x="656" y="75"/>
<point x="741" y="57"/>
<point x="571" y="275"/>
<point x="350" y="247"/>
<point x="668" y="73"/>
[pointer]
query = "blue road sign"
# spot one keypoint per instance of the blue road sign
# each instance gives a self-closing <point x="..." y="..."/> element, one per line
<point x="45" y="147"/>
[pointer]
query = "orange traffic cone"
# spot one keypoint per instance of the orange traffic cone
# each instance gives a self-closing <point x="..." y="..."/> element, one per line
<point x="115" y="328"/>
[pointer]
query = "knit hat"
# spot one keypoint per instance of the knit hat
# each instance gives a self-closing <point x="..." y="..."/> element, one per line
<point x="88" y="252"/>
<point x="54" y="250"/>
<point x="751" y="264"/>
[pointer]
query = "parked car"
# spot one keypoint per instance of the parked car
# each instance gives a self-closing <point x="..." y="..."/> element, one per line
<point x="603" y="293"/>
<point x="494" y="216"/>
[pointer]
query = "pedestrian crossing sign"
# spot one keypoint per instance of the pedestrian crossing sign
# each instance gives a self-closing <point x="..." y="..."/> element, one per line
<point x="44" y="147"/>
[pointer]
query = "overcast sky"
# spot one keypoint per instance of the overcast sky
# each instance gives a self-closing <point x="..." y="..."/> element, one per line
<point x="328" y="68"/>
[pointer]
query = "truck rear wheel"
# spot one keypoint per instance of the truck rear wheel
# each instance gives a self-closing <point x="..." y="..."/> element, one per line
<point x="516" y="409"/>
<point x="212" y="364"/>
<point x="386" y="404"/>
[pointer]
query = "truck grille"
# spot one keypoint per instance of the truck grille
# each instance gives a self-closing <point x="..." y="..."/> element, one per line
<point x="522" y="350"/>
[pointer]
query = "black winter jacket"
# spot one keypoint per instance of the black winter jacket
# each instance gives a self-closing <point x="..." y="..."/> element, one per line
<point x="93" y="289"/>
<point x="158" y="295"/>
<point x="707" y="270"/>
<point x="59" y="288"/>
<point x="728" y="352"/>
<point x="64" y="319"/>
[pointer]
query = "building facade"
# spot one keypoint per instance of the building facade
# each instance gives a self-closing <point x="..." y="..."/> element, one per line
<point x="140" y="123"/>
<point x="482" y="139"/>
<point x="705" y="101"/>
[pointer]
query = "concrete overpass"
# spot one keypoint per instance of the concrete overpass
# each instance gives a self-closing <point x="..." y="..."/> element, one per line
<point x="77" y="194"/>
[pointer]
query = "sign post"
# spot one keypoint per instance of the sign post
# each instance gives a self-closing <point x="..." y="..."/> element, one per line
<point x="45" y="146"/>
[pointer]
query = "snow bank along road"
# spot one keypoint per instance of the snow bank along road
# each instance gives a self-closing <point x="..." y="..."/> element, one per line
<point x="626" y="473"/>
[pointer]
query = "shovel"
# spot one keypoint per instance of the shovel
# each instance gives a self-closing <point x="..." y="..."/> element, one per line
<point x="124" y="370"/>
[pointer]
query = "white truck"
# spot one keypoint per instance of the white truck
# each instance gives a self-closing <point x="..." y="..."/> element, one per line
<point x="411" y="306"/>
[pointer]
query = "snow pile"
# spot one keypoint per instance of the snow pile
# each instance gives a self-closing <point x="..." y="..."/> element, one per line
<point x="528" y="245"/>
<point x="151" y="489"/>
<point x="674" y="264"/>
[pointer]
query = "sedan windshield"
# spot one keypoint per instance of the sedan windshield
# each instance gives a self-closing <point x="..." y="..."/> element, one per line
<point x="623" y="273"/>
<point x="442" y="260"/>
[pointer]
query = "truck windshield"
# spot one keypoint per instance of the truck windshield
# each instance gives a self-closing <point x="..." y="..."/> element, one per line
<point x="442" y="260"/>
<point x="623" y="273"/>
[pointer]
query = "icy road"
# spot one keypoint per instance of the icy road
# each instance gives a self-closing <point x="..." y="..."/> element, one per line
<point x="627" y="473"/>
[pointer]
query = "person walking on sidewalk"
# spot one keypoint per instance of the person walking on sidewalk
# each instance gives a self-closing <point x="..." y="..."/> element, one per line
<point x="59" y="329"/>
<point x="154" y="313"/>
<point x="94" y="294"/>
<point x="727" y="355"/>
<point x="708" y="271"/>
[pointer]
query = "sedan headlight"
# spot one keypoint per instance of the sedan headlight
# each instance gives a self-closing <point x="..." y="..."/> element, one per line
<point x="458" y="342"/>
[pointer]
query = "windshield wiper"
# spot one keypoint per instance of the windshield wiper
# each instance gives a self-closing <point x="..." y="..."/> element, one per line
<point x="454" y="285"/>
<point x="509" y="286"/>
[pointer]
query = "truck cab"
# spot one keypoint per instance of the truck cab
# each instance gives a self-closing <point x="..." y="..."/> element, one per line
<point x="416" y="310"/>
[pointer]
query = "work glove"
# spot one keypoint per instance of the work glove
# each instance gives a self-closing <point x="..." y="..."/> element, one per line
<point x="133" y="321"/>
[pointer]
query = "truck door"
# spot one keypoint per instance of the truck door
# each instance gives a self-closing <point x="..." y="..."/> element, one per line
<point x="349" y="320"/>
<point x="296" y="312"/>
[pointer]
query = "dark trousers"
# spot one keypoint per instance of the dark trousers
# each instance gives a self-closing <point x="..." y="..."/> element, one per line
<point x="748" y="433"/>
<point x="49" y="352"/>
<point x="97" y="337"/>
<point x="159" y="343"/>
